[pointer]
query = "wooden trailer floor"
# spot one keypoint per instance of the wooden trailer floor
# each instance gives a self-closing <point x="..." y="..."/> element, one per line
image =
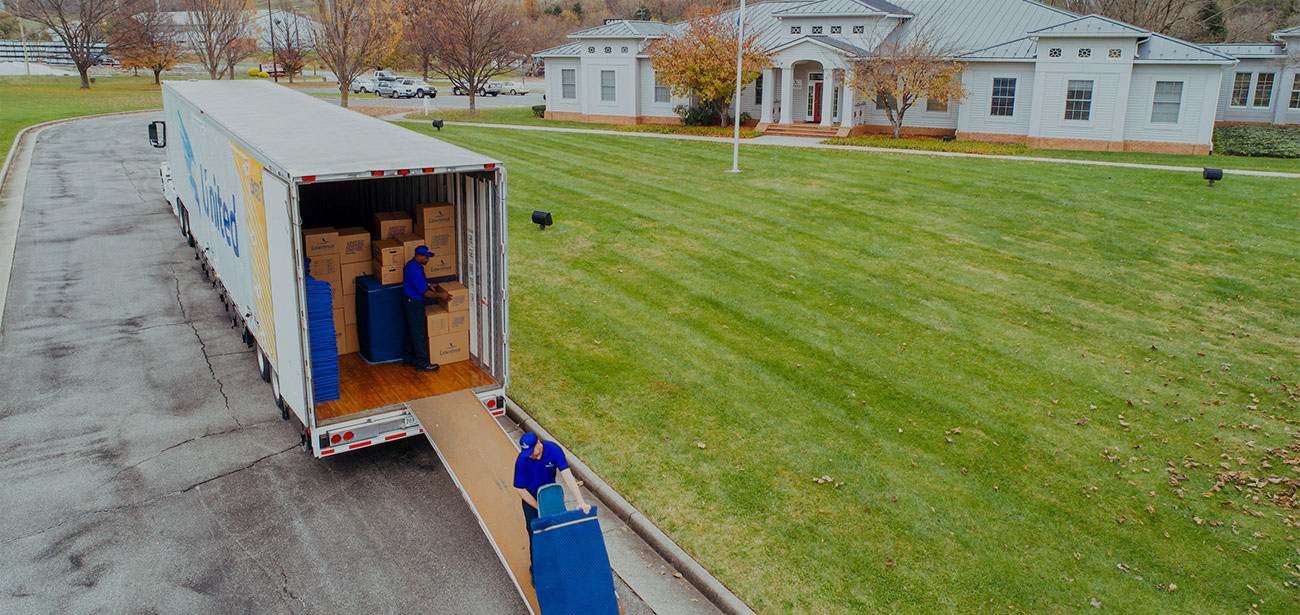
<point x="364" y="386"/>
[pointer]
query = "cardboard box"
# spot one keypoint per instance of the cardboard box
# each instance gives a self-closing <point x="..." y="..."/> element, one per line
<point x="352" y="271"/>
<point x="387" y="253"/>
<point x="434" y="215"/>
<point x="440" y="267"/>
<point x="387" y="275"/>
<point x="354" y="245"/>
<point x="436" y="319"/>
<point x="320" y="241"/>
<point x="441" y="241"/>
<point x="390" y="224"/>
<point x="324" y="267"/>
<point x="336" y="296"/>
<point x="458" y="322"/>
<point x="409" y="241"/>
<point x="350" y="310"/>
<point x="448" y="348"/>
<point x="351" y="343"/>
<point x="459" y="296"/>
<point x="338" y="320"/>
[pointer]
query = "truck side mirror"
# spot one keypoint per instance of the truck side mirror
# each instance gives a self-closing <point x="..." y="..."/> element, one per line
<point x="158" y="134"/>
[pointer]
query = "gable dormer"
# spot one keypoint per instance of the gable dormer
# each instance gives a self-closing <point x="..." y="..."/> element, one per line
<point x="862" y="23"/>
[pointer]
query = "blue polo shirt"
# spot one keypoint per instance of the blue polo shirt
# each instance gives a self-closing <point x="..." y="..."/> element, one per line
<point x="531" y="474"/>
<point x="414" y="281"/>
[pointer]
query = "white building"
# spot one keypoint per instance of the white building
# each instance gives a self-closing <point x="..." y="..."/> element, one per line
<point x="1035" y="74"/>
<point x="1264" y="88"/>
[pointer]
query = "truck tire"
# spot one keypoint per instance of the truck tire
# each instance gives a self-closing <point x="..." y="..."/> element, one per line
<point x="279" y="401"/>
<point x="263" y="364"/>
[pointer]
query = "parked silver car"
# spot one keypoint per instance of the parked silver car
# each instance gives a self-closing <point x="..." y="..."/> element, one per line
<point x="364" y="85"/>
<point x="396" y="89"/>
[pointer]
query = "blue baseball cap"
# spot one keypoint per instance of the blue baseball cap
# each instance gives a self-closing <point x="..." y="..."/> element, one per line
<point x="423" y="251"/>
<point x="527" y="441"/>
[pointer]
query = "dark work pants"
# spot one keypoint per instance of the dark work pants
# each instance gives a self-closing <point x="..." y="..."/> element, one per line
<point x="415" y="345"/>
<point x="530" y="514"/>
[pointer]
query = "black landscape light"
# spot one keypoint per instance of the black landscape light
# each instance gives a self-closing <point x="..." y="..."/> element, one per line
<point x="542" y="219"/>
<point x="438" y="124"/>
<point x="1212" y="174"/>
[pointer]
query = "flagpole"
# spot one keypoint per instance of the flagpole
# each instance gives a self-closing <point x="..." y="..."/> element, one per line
<point x="740" y="49"/>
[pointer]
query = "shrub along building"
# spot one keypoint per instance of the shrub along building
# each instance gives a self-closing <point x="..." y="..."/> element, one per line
<point x="1034" y="74"/>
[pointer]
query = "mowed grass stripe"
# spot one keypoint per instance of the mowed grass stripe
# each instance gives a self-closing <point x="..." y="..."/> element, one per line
<point x="706" y="337"/>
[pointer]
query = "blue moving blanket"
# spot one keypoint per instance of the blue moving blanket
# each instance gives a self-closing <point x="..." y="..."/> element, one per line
<point x="571" y="567"/>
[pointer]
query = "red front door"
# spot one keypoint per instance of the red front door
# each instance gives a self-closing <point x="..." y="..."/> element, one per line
<point x="816" y="115"/>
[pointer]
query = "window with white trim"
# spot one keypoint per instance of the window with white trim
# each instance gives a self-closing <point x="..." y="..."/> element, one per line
<point x="1295" y="92"/>
<point x="569" y="83"/>
<point x="1240" y="90"/>
<point x="836" y="29"/>
<point x="1004" y="97"/>
<point x="796" y="29"/>
<point x="662" y="95"/>
<point x="935" y="105"/>
<point x="1263" y="89"/>
<point x="1167" y="102"/>
<point x="1054" y="52"/>
<point x="758" y="90"/>
<point x="608" y="89"/>
<point x="835" y="103"/>
<point x="1085" y="53"/>
<point x="816" y="29"/>
<point x="1078" y="99"/>
<point x="859" y="29"/>
<point x="1115" y="53"/>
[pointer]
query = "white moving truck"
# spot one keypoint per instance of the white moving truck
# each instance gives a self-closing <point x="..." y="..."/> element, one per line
<point x="250" y="164"/>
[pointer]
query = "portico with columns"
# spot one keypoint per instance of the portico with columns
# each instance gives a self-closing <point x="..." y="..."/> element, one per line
<point x="807" y="87"/>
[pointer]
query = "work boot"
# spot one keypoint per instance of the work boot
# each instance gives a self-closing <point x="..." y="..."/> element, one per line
<point x="427" y="368"/>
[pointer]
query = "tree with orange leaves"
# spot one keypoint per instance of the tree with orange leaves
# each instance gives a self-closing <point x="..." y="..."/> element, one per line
<point x="702" y="60"/>
<point x="899" y="74"/>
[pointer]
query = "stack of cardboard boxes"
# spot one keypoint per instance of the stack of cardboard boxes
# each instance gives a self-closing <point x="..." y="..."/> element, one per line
<point x="449" y="325"/>
<point x="338" y="257"/>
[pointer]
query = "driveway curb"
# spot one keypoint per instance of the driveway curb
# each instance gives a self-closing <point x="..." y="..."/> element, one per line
<point x="11" y="198"/>
<point x="691" y="570"/>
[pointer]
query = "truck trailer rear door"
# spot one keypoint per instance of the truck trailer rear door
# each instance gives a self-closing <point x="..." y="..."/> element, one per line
<point x="286" y="351"/>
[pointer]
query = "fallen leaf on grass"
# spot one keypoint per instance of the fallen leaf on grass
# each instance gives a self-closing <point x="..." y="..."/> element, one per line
<point x="890" y="562"/>
<point x="1124" y="567"/>
<point x="699" y="444"/>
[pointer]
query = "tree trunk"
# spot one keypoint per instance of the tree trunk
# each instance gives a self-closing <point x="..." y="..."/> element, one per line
<point x="471" y="100"/>
<point x="898" y="124"/>
<point x="212" y="72"/>
<point x="85" y="76"/>
<point x="344" y="90"/>
<point x="721" y="107"/>
<point x="156" y="77"/>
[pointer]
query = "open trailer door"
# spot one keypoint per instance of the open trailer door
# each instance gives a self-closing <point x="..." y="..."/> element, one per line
<point x="285" y="340"/>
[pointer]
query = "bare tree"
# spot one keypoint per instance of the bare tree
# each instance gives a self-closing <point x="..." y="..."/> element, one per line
<point x="1163" y="16"/>
<point x="79" y="24"/>
<point x="418" y="37"/>
<point x="353" y="35"/>
<point x="474" y="41"/>
<point x="901" y="73"/>
<point x="289" y="50"/>
<point x="243" y="42"/>
<point x="215" y="26"/>
<point x="144" y="36"/>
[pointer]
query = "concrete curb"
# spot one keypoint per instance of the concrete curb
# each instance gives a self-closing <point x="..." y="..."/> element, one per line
<point x="11" y="205"/>
<point x="691" y="570"/>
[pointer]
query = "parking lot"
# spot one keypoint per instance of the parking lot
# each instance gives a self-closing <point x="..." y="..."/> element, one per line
<point x="444" y="100"/>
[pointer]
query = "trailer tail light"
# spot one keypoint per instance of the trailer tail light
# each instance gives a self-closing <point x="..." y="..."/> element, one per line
<point x="492" y="404"/>
<point x="489" y="166"/>
<point x="335" y="439"/>
<point x="376" y="173"/>
<point x="347" y="436"/>
<point x="309" y="178"/>
<point x="428" y="170"/>
<point x="404" y="172"/>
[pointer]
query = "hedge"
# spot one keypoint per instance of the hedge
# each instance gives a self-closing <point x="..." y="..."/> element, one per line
<point x="1269" y="141"/>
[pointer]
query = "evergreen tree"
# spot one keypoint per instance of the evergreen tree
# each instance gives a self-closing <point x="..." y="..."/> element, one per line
<point x="577" y="10"/>
<point x="1210" y="15"/>
<point x="642" y="13"/>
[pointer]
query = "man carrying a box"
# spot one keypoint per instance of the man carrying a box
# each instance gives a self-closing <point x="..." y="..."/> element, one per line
<point x="416" y="294"/>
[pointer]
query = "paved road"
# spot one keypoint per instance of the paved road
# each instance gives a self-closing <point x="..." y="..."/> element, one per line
<point x="145" y="467"/>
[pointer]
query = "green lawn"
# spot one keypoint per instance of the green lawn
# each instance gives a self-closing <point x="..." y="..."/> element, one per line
<point x="1002" y="149"/>
<point x="31" y="100"/>
<point x="1023" y="380"/>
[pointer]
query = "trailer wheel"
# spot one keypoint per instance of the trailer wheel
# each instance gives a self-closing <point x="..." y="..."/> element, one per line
<point x="263" y="365"/>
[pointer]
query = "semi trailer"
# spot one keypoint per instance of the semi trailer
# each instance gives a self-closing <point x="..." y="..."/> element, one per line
<point x="250" y="164"/>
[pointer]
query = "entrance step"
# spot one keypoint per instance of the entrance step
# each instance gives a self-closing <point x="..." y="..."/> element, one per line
<point x="801" y="130"/>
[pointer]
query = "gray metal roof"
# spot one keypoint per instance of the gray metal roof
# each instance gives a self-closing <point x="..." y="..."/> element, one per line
<point x="567" y="50"/>
<point x="1019" y="49"/>
<point x="839" y="44"/>
<point x="1091" y="25"/>
<point x="627" y="28"/>
<point x="308" y="136"/>
<point x="842" y="8"/>
<point x="967" y="25"/>
<point x="1248" y="50"/>
<point x="1292" y="31"/>
<point x="1161" y="48"/>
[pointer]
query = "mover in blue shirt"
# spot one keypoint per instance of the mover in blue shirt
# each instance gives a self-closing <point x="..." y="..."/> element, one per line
<point x="537" y="464"/>
<point x="416" y="294"/>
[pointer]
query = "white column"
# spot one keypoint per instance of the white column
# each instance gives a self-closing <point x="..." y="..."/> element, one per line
<point x="828" y="96"/>
<point x="846" y="105"/>
<point x="769" y="84"/>
<point x="787" y="95"/>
